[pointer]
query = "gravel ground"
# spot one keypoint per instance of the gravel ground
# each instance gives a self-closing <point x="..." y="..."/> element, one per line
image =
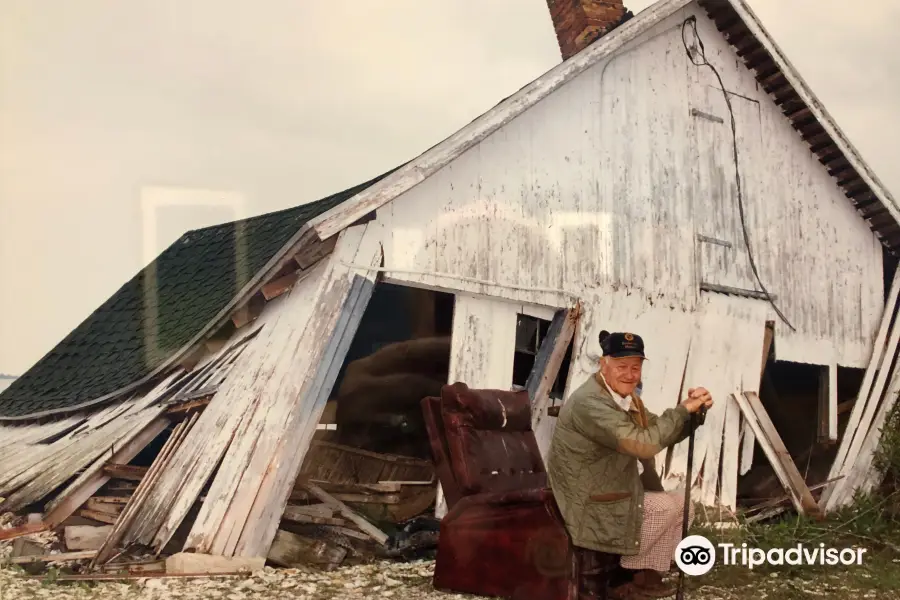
<point x="395" y="581"/>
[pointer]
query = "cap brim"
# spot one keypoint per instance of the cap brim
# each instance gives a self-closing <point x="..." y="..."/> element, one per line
<point x="627" y="354"/>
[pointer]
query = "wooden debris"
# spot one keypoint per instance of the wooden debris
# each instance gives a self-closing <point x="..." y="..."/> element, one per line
<point x="25" y="547"/>
<point x="96" y="515"/>
<point x="85" y="537"/>
<point x="312" y="510"/>
<point x="867" y="400"/>
<point x="365" y="526"/>
<point x="137" y="499"/>
<point x="290" y="514"/>
<point x="127" y="472"/>
<point x="26" y="529"/>
<point x="198" y="404"/>
<point x="775" y="451"/>
<point x="191" y="563"/>
<point x="47" y="558"/>
<point x="254" y="481"/>
<point x="352" y="498"/>
<point x="292" y="550"/>
<point x="279" y="286"/>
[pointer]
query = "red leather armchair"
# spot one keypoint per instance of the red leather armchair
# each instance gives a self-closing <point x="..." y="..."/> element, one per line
<point x="503" y="535"/>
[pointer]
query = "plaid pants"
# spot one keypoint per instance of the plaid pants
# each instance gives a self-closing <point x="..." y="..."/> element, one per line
<point x="661" y="533"/>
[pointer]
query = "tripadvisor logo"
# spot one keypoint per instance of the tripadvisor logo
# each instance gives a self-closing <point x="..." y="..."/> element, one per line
<point x="696" y="555"/>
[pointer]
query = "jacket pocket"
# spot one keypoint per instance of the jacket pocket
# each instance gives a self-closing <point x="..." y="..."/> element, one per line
<point x="609" y="497"/>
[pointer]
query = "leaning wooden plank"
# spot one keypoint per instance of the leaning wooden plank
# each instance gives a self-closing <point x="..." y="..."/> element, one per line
<point x="731" y="450"/>
<point x="872" y="405"/>
<point x="863" y="476"/>
<point x="177" y="488"/>
<point x="364" y="525"/>
<point x="748" y="443"/>
<point x="862" y="398"/>
<point x="253" y="387"/>
<point x="36" y="461"/>
<point x="52" y="558"/>
<point x="137" y="499"/>
<point x="548" y="362"/>
<point x="249" y="488"/>
<point x="350" y="286"/>
<point x="778" y="456"/>
<point x="111" y="435"/>
<point x="94" y="478"/>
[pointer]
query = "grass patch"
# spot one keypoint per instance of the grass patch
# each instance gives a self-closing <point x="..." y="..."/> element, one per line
<point x="871" y="522"/>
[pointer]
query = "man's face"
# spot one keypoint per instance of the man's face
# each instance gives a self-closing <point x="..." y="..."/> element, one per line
<point x="622" y="374"/>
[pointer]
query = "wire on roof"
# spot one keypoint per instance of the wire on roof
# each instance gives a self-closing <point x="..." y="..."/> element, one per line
<point x="700" y="50"/>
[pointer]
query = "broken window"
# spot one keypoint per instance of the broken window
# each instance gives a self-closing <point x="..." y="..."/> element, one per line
<point x="531" y="333"/>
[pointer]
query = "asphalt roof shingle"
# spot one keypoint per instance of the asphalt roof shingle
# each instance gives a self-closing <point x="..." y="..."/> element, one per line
<point x="186" y="286"/>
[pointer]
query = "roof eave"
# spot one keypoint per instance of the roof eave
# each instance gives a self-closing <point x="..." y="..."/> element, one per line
<point x="778" y="77"/>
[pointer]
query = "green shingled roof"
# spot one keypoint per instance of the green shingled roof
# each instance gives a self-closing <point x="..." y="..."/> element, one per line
<point x="189" y="284"/>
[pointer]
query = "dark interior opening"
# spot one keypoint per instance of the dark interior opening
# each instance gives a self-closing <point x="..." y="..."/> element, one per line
<point x="531" y="332"/>
<point x="399" y="355"/>
<point x="790" y="394"/>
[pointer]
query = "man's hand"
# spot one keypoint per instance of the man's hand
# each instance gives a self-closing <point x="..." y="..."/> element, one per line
<point x="697" y="398"/>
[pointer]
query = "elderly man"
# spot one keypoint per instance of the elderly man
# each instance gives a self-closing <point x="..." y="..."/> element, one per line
<point x="601" y="471"/>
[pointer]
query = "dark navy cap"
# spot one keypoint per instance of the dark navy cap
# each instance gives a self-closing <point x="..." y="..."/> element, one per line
<point x="620" y="345"/>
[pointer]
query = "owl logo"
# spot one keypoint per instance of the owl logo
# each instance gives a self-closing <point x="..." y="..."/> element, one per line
<point x="629" y="337"/>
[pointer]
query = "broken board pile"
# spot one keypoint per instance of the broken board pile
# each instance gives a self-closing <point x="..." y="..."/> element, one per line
<point x="341" y="508"/>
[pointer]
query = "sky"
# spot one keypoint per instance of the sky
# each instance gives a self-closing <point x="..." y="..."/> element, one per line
<point x="112" y="111"/>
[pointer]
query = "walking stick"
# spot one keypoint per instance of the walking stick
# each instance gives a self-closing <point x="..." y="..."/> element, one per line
<point x="695" y="420"/>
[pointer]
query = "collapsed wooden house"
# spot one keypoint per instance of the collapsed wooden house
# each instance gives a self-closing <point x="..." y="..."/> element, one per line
<point x="736" y="230"/>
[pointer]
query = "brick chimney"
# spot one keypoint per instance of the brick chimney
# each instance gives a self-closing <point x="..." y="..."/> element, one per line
<point x="579" y="23"/>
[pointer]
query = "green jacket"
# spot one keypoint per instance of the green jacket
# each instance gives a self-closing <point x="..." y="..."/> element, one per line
<point x="592" y="465"/>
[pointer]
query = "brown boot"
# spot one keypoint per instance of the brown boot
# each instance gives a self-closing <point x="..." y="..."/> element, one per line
<point x="651" y="584"/>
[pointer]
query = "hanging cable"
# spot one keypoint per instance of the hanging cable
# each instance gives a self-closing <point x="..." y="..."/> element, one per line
<point x="700" y="50"/>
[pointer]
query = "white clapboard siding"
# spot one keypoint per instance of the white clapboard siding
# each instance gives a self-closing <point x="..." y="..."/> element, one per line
<point x="603" y="186"/>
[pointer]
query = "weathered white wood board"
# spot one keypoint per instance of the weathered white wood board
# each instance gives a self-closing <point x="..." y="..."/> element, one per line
<point x="724" y="358"/>
<point x="482" y="349"/>
<point x="483" y="342"/>
<point x="883" y="350"/>
<point x="179" y="485"/>
<point x="84" y="450"/>
<point x="248" y="494"/>
<point x="86" y="537"/>
<point x="861" y="474"/>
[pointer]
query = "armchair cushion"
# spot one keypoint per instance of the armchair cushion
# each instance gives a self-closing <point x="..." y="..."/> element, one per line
<point x="489" y="440"/>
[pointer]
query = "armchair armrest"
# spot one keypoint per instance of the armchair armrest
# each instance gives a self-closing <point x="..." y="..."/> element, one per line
<point x="526" y="496"/>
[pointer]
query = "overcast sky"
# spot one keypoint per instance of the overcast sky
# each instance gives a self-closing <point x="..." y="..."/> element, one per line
<point x="279" y="102"/>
